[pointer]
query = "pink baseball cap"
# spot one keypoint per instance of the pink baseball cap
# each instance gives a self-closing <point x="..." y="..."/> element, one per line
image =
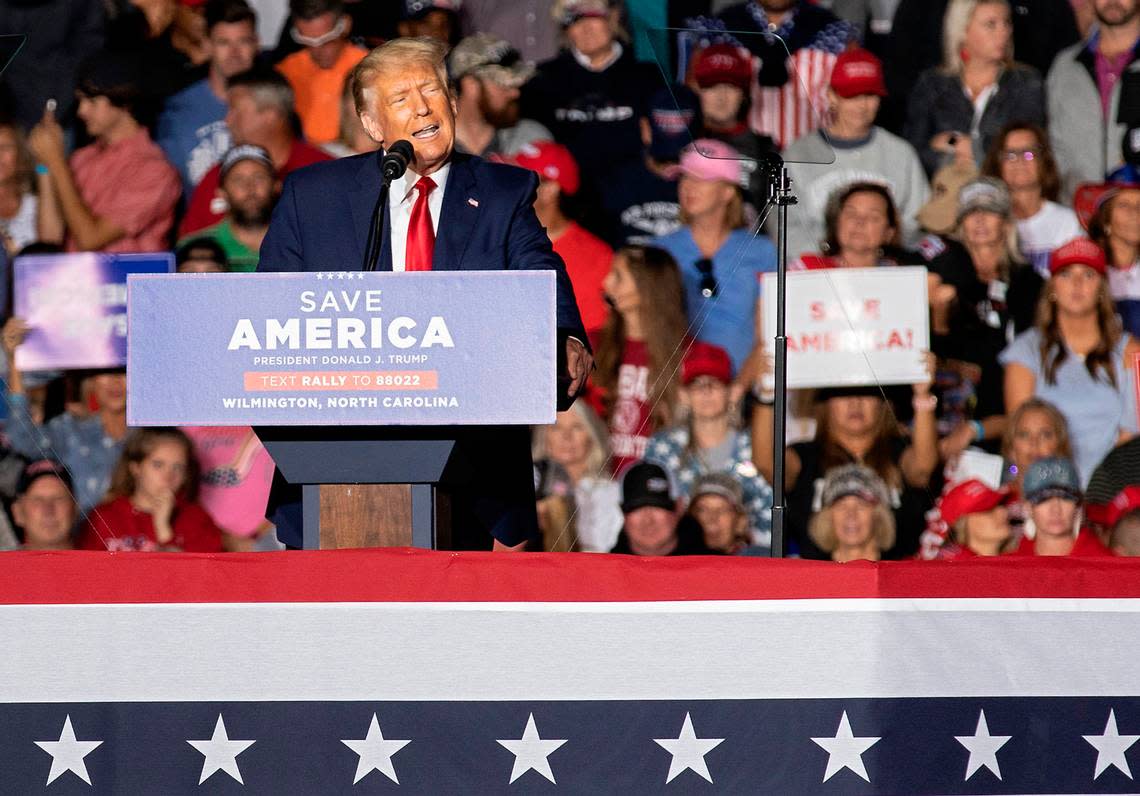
<point x="709" y="159"/>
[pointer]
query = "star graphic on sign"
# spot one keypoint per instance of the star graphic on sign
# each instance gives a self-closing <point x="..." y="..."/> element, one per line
<point x="320" y="275"/>
<point x="375" y="753"/>
<point x="983" y="748"/>
<point x="531" y="751"/>
<point x="688" y="751"/>
<point x="67" y="753"/>
<point x="221" y="753"/>
<point x="1110" y="747"/>
<point x="845" y="750"/>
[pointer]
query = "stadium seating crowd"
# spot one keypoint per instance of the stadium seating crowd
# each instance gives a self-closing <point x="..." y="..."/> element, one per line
<point x="995" y="144"/>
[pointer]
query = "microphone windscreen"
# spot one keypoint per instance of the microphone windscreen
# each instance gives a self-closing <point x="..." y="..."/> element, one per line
<point x="403" y="149"/>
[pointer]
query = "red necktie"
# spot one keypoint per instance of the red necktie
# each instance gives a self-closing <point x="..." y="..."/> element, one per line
<point x="421" y="235"/>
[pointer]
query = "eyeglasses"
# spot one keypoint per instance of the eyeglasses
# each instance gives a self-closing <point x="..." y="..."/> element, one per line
<point x="316" y="41"/>
<point x="1013" y="155"/>
<point x="708" y="285"/>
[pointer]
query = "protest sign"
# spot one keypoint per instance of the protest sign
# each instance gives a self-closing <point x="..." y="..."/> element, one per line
<point x="76" y="307"/>
<point x="342" y="348"/>
<point x="852" y="326"/>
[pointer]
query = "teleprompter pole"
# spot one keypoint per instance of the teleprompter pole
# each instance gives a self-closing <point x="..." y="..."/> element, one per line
<point x="780" y="194"/>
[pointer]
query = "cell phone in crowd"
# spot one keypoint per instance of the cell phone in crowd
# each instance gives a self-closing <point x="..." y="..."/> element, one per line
<point x="51" y="105"/>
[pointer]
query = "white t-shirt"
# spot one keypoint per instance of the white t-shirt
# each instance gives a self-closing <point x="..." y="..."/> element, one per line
<point x="1044" y="231"/>
<point x="21" y="228"/>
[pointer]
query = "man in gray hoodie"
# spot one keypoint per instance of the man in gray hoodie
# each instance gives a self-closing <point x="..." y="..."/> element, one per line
<point x="1083" y="90"/>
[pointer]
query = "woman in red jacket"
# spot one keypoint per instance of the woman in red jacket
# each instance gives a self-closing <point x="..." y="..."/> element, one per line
<point x="152" y="501"/>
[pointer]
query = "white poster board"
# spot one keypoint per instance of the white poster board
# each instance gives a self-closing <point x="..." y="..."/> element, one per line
<point x="852" y="326"/>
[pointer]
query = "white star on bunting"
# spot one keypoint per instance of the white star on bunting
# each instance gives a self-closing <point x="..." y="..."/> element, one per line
<point x="983" y="748"/>
<point x="67" y="753"/>
<point x="1110" y="747"/>
<point x="531" y="751"/>
<point x="845" y="750"/>
<point x="221" y="753"/>
<point x="375" y="753"/>
<point x="688" y="751"/>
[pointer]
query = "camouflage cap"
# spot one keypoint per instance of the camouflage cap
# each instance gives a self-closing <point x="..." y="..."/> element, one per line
<point x="486" y="55"/>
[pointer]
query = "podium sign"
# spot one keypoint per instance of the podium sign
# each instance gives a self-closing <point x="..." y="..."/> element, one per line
<point x="342" y="348"/>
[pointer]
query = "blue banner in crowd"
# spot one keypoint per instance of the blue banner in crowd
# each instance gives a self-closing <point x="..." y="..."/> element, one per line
<point x="342" y="348"/>
<point x="76" y="307"/>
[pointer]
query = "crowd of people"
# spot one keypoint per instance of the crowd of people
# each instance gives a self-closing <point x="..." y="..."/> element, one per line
<point x="998" y="150"/>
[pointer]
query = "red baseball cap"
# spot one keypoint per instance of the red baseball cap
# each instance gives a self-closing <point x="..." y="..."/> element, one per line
<point x="705" y="359"/>
<point x="971" y="497"/>
<point x="1078" y="251"/>
<point x="1126" y="501"/>
<point x="857" y="72"/>
<point x="552" y="162"/>
<point x="722" y="63"/>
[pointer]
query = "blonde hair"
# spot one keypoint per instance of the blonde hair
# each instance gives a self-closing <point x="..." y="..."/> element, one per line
<point x="821" y="529"/>
<point x="733" y="210"/>
<point x="599" y="439"/>
<point x="1056" y="419"/>
<point x="394" y="56"/>
<point x="954" y="24"/>
<point x="1013" y="257"/>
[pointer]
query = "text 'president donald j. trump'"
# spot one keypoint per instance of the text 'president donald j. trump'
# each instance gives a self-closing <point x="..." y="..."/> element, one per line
<point x="448" y="212"/>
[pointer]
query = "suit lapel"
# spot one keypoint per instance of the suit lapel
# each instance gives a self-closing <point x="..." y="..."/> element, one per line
<point x="362" y="201"/>
<point x="457" y="216"/>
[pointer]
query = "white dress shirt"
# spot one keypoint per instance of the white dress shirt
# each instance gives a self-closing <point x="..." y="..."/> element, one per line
<point x="402" y="197"/>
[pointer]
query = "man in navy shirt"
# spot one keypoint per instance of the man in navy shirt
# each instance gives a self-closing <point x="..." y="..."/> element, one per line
<point x="192" y="127"/>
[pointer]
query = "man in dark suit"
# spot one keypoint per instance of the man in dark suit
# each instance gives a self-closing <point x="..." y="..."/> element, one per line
<point x="448" y="212"/>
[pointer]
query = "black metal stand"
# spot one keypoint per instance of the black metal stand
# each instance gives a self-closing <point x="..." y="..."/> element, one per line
<point x="375" y="229"/>
<point x="780" y="195"/>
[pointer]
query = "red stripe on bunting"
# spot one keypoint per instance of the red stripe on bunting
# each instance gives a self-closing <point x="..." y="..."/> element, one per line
<point x="403" y="575"/>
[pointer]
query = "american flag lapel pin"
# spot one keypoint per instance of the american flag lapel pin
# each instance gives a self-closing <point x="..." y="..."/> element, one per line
<point x="472" y="202"/>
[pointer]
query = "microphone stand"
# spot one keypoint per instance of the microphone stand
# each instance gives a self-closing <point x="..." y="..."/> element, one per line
<point x="375" y="233"/>
<point x="393" y="164"/>
<point x="779" y="187"/>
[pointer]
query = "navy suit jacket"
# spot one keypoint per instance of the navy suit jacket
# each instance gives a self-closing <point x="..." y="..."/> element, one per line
<point x="321" y="223"/>
<point x="487" y="223"/>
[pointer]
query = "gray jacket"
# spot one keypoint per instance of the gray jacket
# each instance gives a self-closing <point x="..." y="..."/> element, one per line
<point x="1086" y="147"/>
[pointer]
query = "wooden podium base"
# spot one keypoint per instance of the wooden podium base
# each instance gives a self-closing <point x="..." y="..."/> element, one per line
<point x="380" y="515"/>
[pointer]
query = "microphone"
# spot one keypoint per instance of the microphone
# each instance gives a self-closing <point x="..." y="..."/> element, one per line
<point x="392" y="166"/>
<point x="396" y="160"/>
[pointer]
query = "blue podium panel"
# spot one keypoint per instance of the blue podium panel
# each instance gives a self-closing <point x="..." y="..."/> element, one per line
<point x="342" y="348"/>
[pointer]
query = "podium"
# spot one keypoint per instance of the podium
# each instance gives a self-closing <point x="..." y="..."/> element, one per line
<point x="362" y="386"/>
<point x="367" y="486"/>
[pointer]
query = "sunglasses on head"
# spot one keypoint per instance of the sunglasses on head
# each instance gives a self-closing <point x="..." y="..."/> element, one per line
<point x="317" y="41"/>
<point x="708" y="284"/>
